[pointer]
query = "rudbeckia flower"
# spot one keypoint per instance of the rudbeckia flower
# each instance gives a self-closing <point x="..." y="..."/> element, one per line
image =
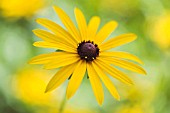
<point x="82" y="50"/>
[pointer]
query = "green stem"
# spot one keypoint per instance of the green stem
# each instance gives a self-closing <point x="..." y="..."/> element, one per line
<point x="63" y="104"/>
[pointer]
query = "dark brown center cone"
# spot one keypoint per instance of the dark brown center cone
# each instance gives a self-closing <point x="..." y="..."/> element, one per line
<point x="88" y="50"/>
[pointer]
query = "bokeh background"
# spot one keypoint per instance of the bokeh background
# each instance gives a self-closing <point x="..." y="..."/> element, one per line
<point x="22" y="85"/>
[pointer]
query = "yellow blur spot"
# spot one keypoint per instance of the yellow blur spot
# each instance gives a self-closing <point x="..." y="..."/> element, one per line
<point x="132" y="109"/>
<point x="20" y="8"/>
<point x="30" y="85"/>
<point x="161" y="31"/>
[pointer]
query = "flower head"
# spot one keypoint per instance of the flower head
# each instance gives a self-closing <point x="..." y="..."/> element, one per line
<point x="20" y="8"/>
<point x="161" y="31"/>
<point x="32" y="92"/>
<point x="84" y="50"/>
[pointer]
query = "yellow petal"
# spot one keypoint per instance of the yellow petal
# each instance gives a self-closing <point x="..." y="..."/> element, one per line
<point x="68" y="23"/>
<point x="120" y="54"/>
<point x="125" y="64"/>
<point x="76" y="78"/>
<point x="58" y="30"/>
<point x="46" y="58"/>
<point x="45" y="35"/>
<point x="60" y="77"/>
<point x="117" y="41"/>
<point x="49" y="37"/>
<point x="114" y="72"/>
<point x="62" y="60"/>
<point x="93" y="27"/>
<point x="82" y="25"/>
<point x="105" y="31"/>
<point x="108" y="83"/>
<point x="95" y="83"/>
<point x="55" y="45"/>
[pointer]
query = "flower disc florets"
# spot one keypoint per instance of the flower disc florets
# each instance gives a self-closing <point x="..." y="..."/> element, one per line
<point x="88" y="50"/>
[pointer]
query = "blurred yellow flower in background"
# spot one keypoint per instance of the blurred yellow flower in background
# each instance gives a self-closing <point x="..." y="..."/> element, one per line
<point x="131" y="109"/>
<point x="84" y="50"/>
<point x="20" y="8"/>
<point x="161" y="30"/>
<point x="29" y="85"/>
<point x="138" y="99"/>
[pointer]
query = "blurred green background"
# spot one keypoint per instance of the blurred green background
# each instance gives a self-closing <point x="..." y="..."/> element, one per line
<point x="22" y="85"/>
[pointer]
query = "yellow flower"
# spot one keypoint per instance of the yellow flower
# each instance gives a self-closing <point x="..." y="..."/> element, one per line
<point x="161" y="31"/>
<point x="20" y="8"/>
<point x="83" y="50"/>
<point x="29" y="86"/>
<point x="138" y="99"/>
<point x="132" y="109"/>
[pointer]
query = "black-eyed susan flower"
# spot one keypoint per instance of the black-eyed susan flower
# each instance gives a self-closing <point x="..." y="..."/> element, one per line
<point x="84" y="50"/>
